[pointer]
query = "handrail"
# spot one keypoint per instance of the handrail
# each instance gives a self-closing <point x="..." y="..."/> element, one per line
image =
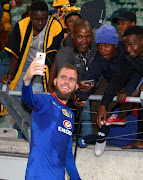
<point x="91" y="97"/>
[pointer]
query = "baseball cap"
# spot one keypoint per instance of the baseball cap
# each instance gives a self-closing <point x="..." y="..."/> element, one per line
<point x="125" y="16"/>
<point x="106" y="34"/>
<point x="60" y="2"/>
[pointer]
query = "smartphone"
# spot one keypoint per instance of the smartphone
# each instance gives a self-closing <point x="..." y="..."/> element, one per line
<point x="89" y="81"/>
<point x="42" y="61"/>
<point x="80" y="98"/>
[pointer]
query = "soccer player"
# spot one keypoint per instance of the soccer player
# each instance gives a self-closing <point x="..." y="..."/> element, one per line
<point x="52" y="126"/>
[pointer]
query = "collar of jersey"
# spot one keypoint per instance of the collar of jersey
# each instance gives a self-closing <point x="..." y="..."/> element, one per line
<point x="57" y="99"/>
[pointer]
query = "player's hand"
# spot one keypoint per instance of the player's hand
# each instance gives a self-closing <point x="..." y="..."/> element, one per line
<point x="121" y="97"/>
<point x="84" y="87"/>
<point x="33" y="70"/>
<point x="101" y="115"/>
<point x="35" y="67"/>
<point x="7" y="78"/>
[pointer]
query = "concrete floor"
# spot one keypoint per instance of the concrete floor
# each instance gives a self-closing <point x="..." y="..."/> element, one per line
<point x="114" y="164"/>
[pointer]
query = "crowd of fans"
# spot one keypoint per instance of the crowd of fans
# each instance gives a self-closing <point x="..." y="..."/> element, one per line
<point x="113" y="61"/>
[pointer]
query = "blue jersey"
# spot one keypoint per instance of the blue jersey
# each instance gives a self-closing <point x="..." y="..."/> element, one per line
<point x="52" y="124"/>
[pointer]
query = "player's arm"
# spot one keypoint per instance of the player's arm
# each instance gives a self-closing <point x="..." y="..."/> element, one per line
<point x="28" y="97"/>
<point x="70" y="163"/>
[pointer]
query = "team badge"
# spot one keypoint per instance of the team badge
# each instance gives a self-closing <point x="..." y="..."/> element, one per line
<point x="66" y="113"/>
<point x="67" y="124"/>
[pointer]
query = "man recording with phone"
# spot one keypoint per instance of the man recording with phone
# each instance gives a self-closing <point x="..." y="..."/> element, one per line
<point x="108" y="57"/>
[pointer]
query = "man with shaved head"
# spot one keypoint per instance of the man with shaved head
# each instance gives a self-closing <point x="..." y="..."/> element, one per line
<point x="83" y="50"/>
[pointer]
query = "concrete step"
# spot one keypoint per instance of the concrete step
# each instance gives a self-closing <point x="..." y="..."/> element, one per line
<point x="8" y="132"/>
<point x="114" y="164"/>
<point x="13" y="145"/>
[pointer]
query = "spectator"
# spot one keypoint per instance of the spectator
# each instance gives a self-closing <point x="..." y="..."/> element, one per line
<point x="27" y="13"/>
<point x="104" y="64"/>
<point x="57" y="4"/>
<point x="82" y="37"/>
<point x="52" y="126"/>
<point x="133" y="40"/>
<point x="124" y="20"/>
<point x="5" y="26"/>
<point x="70" y="19"/>
<point x="138" y="144"/>
<point x="39" y="32"/>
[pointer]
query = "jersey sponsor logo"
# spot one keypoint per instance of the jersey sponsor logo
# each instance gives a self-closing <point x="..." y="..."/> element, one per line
<point x="67" y="124"/>
<point x="65" y="131"/>
<point x="66" y="113"/>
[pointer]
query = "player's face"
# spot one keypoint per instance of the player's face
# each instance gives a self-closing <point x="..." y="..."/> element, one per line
<point x="39" y="19"/>
<point x="108" y="51"/>
<point x="122" y="26"/>
<point x="82" y="37"/>
<point x="134" y="45"/>
<point x="70" y="22"/>
<point x="65" y="84"/>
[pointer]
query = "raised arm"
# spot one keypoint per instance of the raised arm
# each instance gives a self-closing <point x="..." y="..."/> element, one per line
<point x="27" y="95"/>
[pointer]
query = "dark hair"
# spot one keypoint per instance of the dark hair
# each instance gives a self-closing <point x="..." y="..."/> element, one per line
<point x="134" y="30"/>
<point x="39" y="6"/>
<point x="72" y="13"/>
<point x="72" y="1"/>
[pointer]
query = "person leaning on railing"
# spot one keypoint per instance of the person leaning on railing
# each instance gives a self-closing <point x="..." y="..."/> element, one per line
<point x="133" y="40"/>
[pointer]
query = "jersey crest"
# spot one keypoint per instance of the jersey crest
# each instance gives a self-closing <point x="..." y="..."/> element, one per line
<point x="67" y="113"/>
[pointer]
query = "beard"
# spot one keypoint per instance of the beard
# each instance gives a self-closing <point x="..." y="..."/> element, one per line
<point x="63" y="96"/>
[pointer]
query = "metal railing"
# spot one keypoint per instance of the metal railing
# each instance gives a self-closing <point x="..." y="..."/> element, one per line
<point x="9" y="101"/>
